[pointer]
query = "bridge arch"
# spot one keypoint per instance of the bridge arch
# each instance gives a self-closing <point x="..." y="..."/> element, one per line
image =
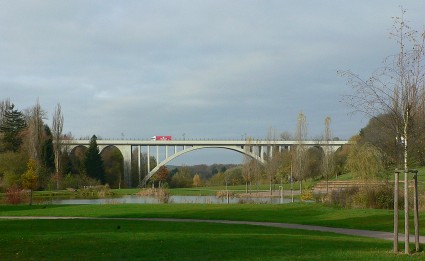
<point x="193" y="148"/>
<point x="258" y="150"/>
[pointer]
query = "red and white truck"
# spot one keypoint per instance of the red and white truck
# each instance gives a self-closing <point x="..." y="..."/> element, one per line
<point x="161" y="138"/>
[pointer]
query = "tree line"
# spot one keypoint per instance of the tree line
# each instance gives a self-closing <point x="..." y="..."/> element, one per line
<point x="26" y="142"/>
<point x="31" y="156"/>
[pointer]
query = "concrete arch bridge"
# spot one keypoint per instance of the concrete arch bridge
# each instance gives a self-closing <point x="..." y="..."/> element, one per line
<point x="165" y="151"/>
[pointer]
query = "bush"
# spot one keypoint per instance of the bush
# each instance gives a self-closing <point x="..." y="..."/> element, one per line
<point x="15" y="195"/>
<point x="74" y="181"/>
<point x="162" y="194"/>
<point x="224" y="193"/>
<point x="95" y="192"/>
<point x="378" y="196"/>
<point x="307" y="195"/>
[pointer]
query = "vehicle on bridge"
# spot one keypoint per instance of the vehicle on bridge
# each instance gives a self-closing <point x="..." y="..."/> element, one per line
<point x="161" y="138"/>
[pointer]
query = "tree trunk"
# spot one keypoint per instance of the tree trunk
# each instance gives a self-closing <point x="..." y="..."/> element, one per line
<point x="406" y="198"/>
<point x="271" y="189"/>
<point x="396" y="178"/>
<point x="30" y="197"/>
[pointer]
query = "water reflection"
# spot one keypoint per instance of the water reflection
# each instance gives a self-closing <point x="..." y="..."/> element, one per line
<point x="173" y="199"/>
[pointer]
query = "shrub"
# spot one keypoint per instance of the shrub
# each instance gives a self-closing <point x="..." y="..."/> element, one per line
<point x="307" y="195"/>
<point x="224" y="193"/>
<point x="162" y="194"/>
<point x="15" y="195"/>
<point x="377" y="196"/>
<point x="95" y="191"/>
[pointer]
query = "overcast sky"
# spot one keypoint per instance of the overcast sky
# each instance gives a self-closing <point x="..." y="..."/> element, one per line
<point x="199" y="69"/>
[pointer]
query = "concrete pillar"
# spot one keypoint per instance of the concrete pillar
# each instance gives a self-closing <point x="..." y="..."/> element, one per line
<point x="139" y="171"/>
<point x="126" y="154"/>
<point x="261" y="153"/>
<point x="149" y="159"/>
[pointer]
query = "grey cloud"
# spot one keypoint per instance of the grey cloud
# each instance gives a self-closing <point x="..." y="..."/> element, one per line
<point x="207" y="69"/>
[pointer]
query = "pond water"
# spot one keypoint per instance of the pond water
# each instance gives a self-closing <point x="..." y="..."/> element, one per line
<point x="173" y="199"/>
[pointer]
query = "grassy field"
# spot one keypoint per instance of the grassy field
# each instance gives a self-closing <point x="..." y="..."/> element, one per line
<point x="142" y="240"/>
<point x="298" y="213"/>
<point x="151" y="240"/>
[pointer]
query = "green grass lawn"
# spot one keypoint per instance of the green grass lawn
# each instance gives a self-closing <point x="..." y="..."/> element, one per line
<point x="152" y="240"/>
<point x="298" y="213"/>
<point x="142" y="240"/>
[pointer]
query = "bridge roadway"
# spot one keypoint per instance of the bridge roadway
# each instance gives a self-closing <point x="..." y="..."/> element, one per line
<point x="259" y="150"/>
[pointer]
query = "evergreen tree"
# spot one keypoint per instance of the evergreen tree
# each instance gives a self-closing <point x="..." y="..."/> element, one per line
<point x="11" y="126"/>
<point x="93" y="162"/>
<point x="47" y="155"/>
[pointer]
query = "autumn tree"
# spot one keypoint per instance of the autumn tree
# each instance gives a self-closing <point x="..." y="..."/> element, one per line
<point x="161" y="175"/>
<point x="197" y="181"/>
<point x="30" y="178"/>
<point x="313" y="163"/>
<point x="182" y="179"/>
<point x="284" y="171"/>
<point x="365" y="161"/>
<point x="234" y="175"/>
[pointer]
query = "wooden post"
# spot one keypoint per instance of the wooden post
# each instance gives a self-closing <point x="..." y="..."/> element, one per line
<point x="416" y="207"/>
<point x="396" y="183"/>
<point x="406" y="212"/>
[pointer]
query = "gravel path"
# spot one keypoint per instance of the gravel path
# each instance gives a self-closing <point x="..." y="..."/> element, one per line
<point x="345" y="231"/>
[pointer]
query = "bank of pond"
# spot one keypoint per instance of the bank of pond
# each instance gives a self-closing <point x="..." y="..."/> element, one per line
<point x="102" y="195"/>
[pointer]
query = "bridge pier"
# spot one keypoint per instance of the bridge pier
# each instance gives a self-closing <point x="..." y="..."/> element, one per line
<point x="126" y="154"/>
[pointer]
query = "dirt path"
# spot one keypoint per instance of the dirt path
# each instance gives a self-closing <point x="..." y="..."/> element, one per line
<point x="345" y="231"/>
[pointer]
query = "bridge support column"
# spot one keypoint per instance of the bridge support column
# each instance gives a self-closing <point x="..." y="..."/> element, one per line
<point x="149" y="159"/>
<point x="139" y="170"/>
<point x="126" y="154"/>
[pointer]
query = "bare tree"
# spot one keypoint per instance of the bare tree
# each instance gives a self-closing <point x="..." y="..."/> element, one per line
<point x="285" y="136"/>
<point x="247" y="170"/>
<point x="273" y="158"/>
<point x="300" y="149"/>
<point x="327" y="160"/>
<point x="398" y="90"/>
<point x="57" y="128"/>
<point x="35" y="131"/>
<point x="3" y="107"/>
